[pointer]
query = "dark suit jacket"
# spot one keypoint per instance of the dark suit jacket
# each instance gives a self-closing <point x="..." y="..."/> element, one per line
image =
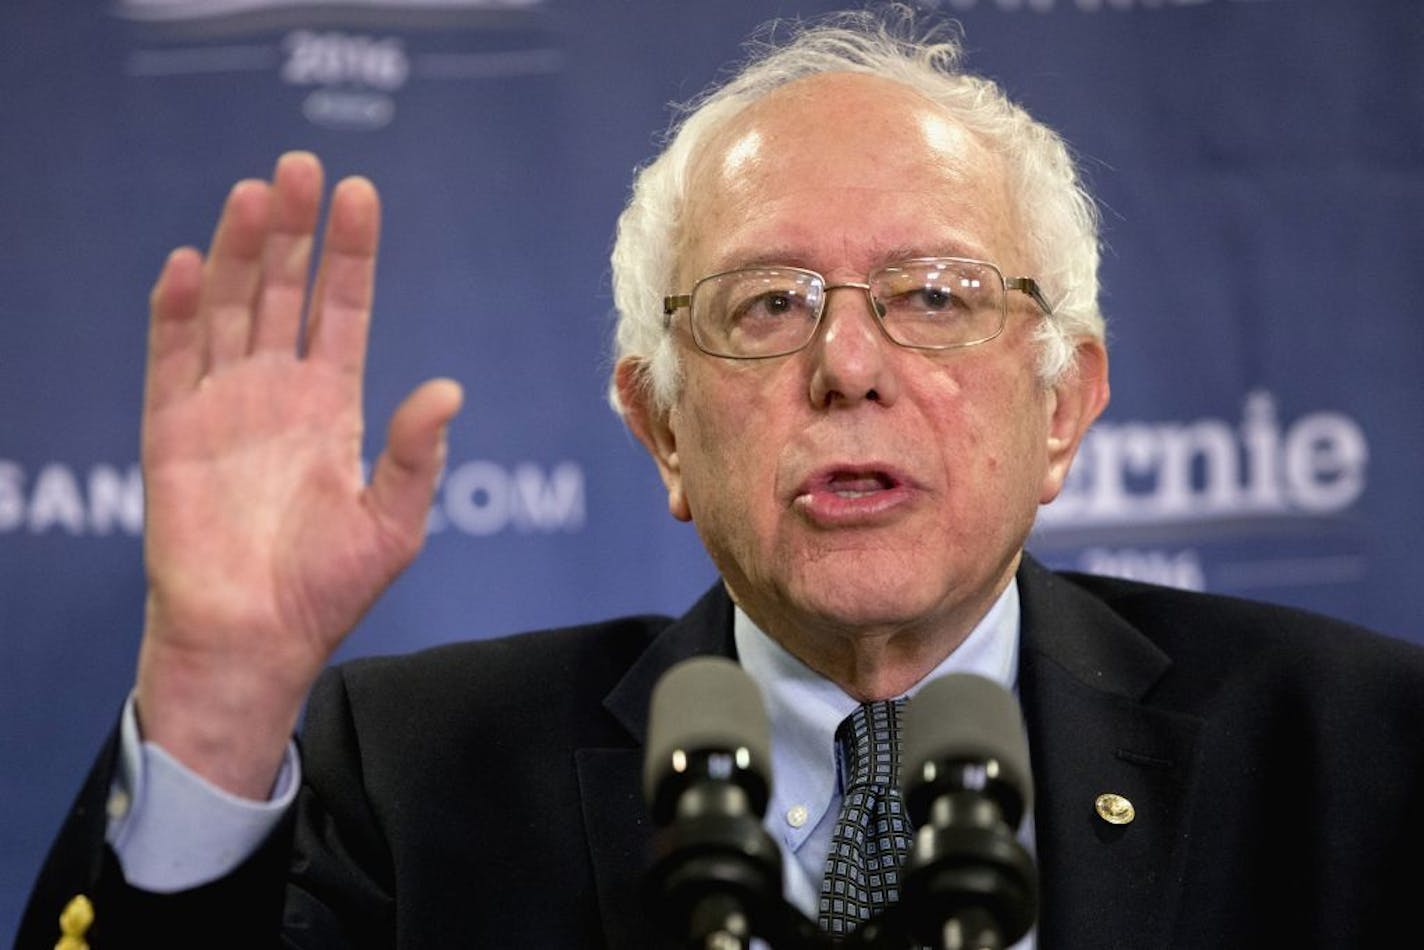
<point x="487" y="794"/>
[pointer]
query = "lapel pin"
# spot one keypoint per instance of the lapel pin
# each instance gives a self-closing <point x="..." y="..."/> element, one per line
<point x="74" y="923"/>
<point x="1114" y="809"/>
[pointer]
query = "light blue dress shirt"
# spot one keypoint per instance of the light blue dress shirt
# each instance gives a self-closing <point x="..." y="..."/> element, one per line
<point x="805" y="709"/>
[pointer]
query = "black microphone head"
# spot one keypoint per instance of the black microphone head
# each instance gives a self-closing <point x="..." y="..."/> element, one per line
<point x="964" y="718"/>
<point x="706" y="704"/>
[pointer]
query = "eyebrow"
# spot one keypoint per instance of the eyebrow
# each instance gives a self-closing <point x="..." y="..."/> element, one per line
<point x="777" y="257"/>
<point x="791" y="256"/>
<point x="955" y="244"/>
<point x="795" y="259"/>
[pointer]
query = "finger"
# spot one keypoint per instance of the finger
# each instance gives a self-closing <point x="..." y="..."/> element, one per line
<point x="406" y="472"/>
<point x="286" y="255"/>
<point x="233" y="271"/>
<point x="175" y="334"/>
<point x="345" y="282"/>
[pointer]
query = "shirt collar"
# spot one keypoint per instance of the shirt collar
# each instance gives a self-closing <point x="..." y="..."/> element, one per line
<point x="805" y="708"/>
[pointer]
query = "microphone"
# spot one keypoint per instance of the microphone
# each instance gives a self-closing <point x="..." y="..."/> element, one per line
<point x="964" y="773"/>
<point x="715" y="879"/>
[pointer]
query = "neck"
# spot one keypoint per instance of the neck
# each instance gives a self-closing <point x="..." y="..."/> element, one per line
<point x="875" y="661"/>
<point x="875" y="666"/>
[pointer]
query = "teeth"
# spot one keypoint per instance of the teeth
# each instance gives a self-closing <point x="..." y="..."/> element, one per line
<point x="863" y="484"/>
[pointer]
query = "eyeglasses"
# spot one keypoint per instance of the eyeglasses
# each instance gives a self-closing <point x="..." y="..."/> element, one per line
<point x="929" y="303"/>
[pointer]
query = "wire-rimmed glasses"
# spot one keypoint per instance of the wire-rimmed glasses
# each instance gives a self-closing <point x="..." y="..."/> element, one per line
<point x="928" y="303"/>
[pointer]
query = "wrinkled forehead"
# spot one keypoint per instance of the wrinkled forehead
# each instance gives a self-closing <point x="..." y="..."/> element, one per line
<point x="845" y="156"/>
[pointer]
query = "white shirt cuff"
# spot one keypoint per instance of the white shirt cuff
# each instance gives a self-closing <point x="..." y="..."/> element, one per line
<point x="174" y="830"/>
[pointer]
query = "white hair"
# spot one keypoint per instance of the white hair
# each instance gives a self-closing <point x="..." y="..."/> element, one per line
<point x="1058" y="214"/>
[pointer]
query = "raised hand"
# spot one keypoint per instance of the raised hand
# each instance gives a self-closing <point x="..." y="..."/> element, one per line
<point x="262" y="542"/>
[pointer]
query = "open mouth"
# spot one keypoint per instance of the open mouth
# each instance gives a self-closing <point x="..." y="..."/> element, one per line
<point x="852" y="495"/>
<point x="858" y="484"/>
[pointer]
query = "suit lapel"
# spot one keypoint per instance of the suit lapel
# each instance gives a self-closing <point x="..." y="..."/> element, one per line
<point x="610" y="779"/>
<point x="1084" y="675"/>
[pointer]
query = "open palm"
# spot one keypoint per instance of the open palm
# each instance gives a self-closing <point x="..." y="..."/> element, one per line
<point x="263" y="542"/>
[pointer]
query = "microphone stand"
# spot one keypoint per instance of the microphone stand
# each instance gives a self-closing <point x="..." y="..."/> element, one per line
<point x="715" y="879"/>
<point x="717" y="902"/>
<point x="715" y="882"/>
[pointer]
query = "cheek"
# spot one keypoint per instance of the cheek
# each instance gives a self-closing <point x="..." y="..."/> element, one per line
<point x="728" y="441"/>
<point x="991" y="433"/>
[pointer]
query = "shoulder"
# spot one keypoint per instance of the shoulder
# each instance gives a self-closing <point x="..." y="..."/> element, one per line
<point x="1234" y="638"/>
<point x="590" y="657"/>
<point x="423" y="713"/>
<point x="1177" y="612"/>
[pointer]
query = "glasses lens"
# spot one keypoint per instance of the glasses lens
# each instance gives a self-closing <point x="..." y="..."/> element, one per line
<point x="940" y="303"/>
<point x="757" y="311"/>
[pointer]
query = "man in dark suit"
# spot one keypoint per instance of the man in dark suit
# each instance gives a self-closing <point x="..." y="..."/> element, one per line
<point x="859" y="337"/>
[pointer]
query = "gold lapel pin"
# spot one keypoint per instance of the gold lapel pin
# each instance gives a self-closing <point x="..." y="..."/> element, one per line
<point x="1114" y="809"/>
<point x="74" y="923"/>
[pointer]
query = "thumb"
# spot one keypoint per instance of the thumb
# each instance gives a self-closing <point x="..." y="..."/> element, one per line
<point x="405" y="474"/>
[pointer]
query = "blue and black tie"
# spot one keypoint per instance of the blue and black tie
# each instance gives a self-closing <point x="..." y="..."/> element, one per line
<point x="872" y="835"/>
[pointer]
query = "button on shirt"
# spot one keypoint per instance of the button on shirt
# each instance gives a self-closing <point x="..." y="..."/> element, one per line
<point x="805" y="709"/>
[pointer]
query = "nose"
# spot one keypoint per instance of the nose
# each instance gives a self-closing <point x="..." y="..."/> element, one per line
<point x="851" y="355"/>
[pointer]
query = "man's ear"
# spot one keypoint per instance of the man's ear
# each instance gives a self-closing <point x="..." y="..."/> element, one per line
<point x="1074" y="402"/>
<point x="654" y="428"/>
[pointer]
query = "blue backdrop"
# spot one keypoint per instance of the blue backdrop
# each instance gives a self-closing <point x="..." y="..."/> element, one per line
<point x="1260" y="164"/>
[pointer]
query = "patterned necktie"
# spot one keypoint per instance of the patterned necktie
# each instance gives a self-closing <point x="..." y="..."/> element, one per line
<point x="872" y="834"/>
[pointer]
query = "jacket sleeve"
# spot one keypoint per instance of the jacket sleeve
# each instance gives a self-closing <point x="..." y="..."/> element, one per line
<point x="242" y="909"/>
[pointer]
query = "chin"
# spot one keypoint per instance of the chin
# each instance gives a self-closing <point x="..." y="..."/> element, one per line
<point x="865" y="600"/>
